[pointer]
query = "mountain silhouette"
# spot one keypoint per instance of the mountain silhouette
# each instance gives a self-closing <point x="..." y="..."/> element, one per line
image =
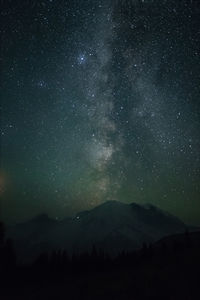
<point x="112" y="226"/>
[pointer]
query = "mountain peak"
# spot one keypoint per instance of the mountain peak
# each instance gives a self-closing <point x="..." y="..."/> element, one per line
<point x="111" y="203"/>
<point x="112" y="226"/>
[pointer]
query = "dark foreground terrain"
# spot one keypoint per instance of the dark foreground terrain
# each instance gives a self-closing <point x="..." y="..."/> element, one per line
<point x="168" y="269"/>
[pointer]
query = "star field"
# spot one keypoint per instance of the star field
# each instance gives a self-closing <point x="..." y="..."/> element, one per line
<point x="100" y="101"/>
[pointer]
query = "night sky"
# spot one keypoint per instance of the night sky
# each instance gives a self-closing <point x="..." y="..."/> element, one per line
<point x="100" y="101"/>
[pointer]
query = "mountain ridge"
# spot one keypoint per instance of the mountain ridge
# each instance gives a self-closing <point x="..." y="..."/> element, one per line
<point x="113" y="226"/>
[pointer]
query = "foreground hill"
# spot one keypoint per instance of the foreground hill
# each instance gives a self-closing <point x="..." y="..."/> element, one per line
<point x="112" y="226"/>
<point x="168" y="269"/>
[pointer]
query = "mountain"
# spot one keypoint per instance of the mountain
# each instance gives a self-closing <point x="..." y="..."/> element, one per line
<point x="112" y="226"/>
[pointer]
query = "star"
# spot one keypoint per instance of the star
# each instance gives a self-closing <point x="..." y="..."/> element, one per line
<point x="81" y="59"/>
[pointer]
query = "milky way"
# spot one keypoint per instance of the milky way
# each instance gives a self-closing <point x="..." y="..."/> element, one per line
<point x="100" y="102"/>
<point x="99" y="87"/>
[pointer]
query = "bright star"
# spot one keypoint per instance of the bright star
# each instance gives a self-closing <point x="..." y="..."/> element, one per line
<point x="81" y="59"/>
